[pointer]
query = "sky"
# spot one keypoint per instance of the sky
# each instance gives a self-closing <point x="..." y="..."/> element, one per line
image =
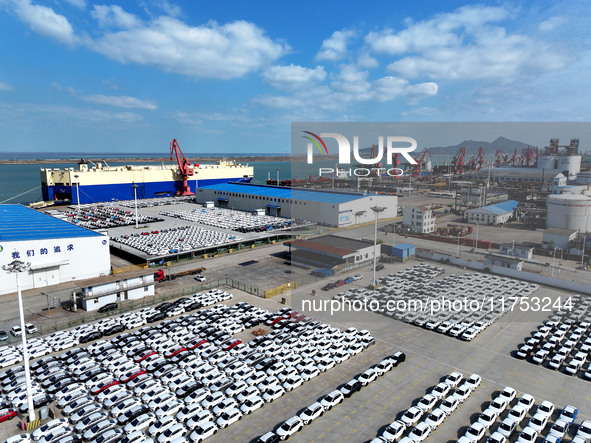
<point x="231" y="76"/>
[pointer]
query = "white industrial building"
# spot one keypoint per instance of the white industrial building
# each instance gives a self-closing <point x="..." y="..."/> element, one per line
<point x="514" y="250"/>
<point x="492" y="214"/>
<point x="558" y="238"/>
<point x="330" y="208"/>
<point x="569" y="211"/>
<point x="58" y="251"/>
<point x="418" y="219"/>
<point x="99" y="292"/>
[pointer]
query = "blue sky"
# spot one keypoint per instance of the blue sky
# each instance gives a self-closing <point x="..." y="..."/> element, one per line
<point x="78" y="76"/>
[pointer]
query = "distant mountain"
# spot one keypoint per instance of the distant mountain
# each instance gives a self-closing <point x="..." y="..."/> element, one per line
<point x="472" y="147"/>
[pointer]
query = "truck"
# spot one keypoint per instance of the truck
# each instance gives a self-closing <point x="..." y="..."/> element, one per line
<point x="161" y="276"/>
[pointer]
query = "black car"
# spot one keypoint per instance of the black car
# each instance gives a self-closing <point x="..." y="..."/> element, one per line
<point x="328" y="287"/>
<point x="188" y="389"/>
<point x="108" y="308"/>
<point x="38" y="402"/>
<point x="95" y="335"/>
<point x="398" y="357"/>
<point x="164" y="307"/>
<point x="60" y="385"/>
<point x="157" y="316"/>
<point x="269" y="437"/>
<point x="351" y="387"/>
<point x="379" y="267"/>
<point x="115" y="329"/>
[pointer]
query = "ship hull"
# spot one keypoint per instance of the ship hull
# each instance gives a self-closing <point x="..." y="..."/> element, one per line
<point x="124" y="191"/>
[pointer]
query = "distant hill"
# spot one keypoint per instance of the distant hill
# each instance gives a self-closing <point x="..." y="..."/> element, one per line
<point x="472" y="146"/>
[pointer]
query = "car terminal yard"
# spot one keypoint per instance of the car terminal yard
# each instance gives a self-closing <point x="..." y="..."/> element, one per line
<point x="367" y="411"/>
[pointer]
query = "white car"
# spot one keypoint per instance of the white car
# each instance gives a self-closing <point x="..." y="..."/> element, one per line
<point x="420" y="432"/>
<point x="161" y="425"/>
<point x="175" y="431"/>
<point x="435" y="418"/>
<point x="528" y="435"/>
<point x="475" y="432"/>
<point x="454" y="379"/>
<point x="203" y="431"/>
<point x="331" y="399"/>
<point x="450" y="404"/>
<point x="412" y="416"/>
<point x="228" y="417"/>
<point x="440" y="390"/>
<point x="289" y="427"/>
<point x="140" y="423"/>
<point x="49" y="427"/>
<point x="538" y="422"/>
<point x="393" y="431"/>
<point x="251" y="404"/>
<point x="293" y="382"/>
<point x="273" y="393"/>
<point x="473" y="382"/>
<point x="311" y="413"/>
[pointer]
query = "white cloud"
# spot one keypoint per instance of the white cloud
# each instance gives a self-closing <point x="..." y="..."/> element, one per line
<point x="114" y="16"/>
<point x="552" y="23"/>
<point x="225" y="51"/>
<point x="45" y="21"/>
<point x="335" y="47"/>
<point x="293" y="76"/>
<point x="121" y="101"/>
<point x="5" y="87"/>
<point x="466" y="44"/>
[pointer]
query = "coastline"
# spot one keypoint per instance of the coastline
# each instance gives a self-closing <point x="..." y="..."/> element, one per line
<point x="246" y="158"/>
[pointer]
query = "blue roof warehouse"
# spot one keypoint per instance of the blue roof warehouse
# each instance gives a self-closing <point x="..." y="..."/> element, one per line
<point x="330" y="208"/>
<point x="57" y="250"/>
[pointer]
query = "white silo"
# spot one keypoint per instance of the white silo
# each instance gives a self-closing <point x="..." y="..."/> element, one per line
<point x="569" y="211"/>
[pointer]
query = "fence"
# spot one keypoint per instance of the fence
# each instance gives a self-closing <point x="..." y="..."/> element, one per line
<point x="130" y="268"/>
<point x="281" y="289"/>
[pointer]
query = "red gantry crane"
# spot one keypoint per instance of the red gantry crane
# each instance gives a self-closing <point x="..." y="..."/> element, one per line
<point x="477" y="161"/>
<point x="419" y="159"/>
<point x="185" y="167"/>
<point x="457" y="164"/>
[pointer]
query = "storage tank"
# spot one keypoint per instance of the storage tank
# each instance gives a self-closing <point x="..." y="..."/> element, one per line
<point x="569" y="211"/>
<point x="570" y="163"/>
<point x="547" y="162"/>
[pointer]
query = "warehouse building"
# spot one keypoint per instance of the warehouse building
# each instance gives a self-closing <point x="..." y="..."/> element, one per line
<point x="492" y="214"/>
<point x="101" y="291"/>
<point x="332" y="250"/>
<point x="558" y="238"/>
<point x="58" y="251"/>
<point x="330" y="208"/>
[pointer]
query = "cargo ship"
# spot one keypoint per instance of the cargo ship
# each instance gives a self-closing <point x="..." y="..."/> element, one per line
<point x="99" y="182"/>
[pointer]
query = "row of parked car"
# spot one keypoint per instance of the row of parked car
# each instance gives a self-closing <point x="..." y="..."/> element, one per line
<point x="342" y="282"/>
<point x="430" y="411"/>
<point x="325" y="403"/>
<point x="461" y="306"/>
<point x="508" y="418"/>
<point x="182" y="377"/>
<point x="563" y="342"/>
<point x="66" y="339"/>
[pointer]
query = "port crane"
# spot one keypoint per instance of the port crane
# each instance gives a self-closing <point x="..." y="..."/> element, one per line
<point x="185" y="168"/>
<point x="419" y="159"/>
<point x="457" y="163"/>
<point x="477" y="161"/>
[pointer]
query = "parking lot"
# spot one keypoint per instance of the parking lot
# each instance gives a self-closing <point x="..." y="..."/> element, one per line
<point x="430" y="357"/>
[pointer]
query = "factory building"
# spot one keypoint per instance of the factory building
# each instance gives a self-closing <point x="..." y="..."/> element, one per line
<point x="569" y="211"/>
<point x="418" y="219"/>
<point x="492" y="214"/>
<point x="101" y="291"/>
<point x="558" y="238"/>
<point x="58" y="251"/>
<point x="330" y="208"/>
<point x="332" y="250"/>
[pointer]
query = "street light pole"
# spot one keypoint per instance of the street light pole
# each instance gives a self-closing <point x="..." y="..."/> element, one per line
<point x="376" y="210"/>
<point x="16" y="267"/>
<point x="135" y="200"/>
<point x="77" y="191"/>
<point x="458" y="247"/>
<point x="553" y="258"/>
